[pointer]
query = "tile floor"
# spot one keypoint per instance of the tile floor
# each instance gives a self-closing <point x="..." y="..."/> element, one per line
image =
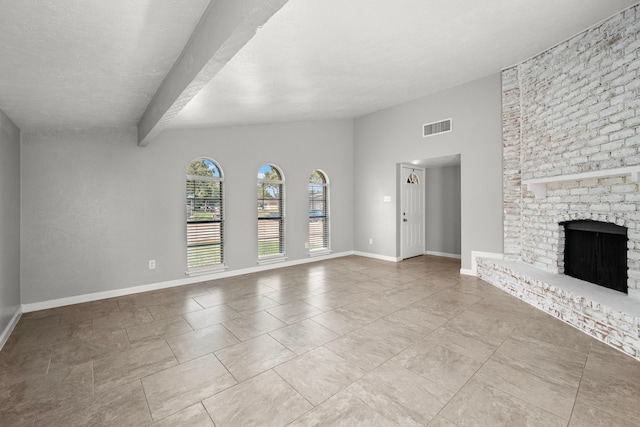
<point x="350" y="341"/>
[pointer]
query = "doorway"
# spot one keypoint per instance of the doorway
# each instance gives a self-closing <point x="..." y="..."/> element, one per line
<point x="412" y="211"/>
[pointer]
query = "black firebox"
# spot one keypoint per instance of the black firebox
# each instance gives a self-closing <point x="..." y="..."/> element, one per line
<point x="596" y="252"/>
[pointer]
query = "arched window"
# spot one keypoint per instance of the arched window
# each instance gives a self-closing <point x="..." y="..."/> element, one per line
<point x="318" y="212"/>
<point x="270" y="212"/>
<point x="205" y="215"/>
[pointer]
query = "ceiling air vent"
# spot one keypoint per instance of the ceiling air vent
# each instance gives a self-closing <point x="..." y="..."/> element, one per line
<point x="434" y="128"/>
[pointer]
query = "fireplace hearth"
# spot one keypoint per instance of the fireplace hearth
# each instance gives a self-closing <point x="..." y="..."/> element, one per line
<point x="597" y="253"/>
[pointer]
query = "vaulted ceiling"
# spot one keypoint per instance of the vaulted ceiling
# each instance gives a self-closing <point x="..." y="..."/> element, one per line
<point x="200" y="63"/>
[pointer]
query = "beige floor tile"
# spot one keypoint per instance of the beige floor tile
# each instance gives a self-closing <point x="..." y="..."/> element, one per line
<point x="612" y="383"/>
<point x="264" y="400"/>
<point x="19" y="367"/>
<point x="467" y="345"/>
<point x="294" y="311"/>
<point x="122" y="320"/>
<point x="131" y="365"/>
<point x="553" y="363"/>
<point x="252" y="304"/>
<point x="555" y="332"/>
<point x="303" y="336"/>
<point x="34" y="335"/>
<point x="336" y="299"/>
<point x="401" y="395"/>
<point x="193" y="416"/>
<point x="319" y="374"/>
<point x="212" y="299"/>
<point x="255" y="356"/>
<point x="387" y="329"/>
<point x="210" y="316"/>
<point x="14" y="419"/>
<point x="588" y="416"/>
<point x="144" y="299"/>
<point x="504" y="306"/>
<point x="288" y="295"/>
<point x="181" y="386"/>
<point x="159" y="329"/>
<point x="24" y="399"/>
<point x="234" y="291"/>
<point x="417" y="320"/>
<point x="343" y="410"/>
<point x="491" y="330"/>
<point x="438" y="364"/>
<point x="366" y="349"/>
<point x="81" y="350"/>
<point x="371" y="308"/>
<point x="377" y="285"/>
<point x="252" y="325"/>
<point x="124" y="405"/>
<point x="342" y="320"/>
<point x="440" y="422"/>
<point x="200" y="342"/>
<point x="174" y="308"/>
<point x="406" y="295"/>
<point x="480" y="404"/>
<point x="88" y="310"/>
<point x="554" y="397"/>
<point x="447" y="303"/>
<point x="186" y="291"/>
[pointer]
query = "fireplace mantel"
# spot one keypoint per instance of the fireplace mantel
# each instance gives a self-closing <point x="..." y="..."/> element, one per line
<point x="538" y="186"/>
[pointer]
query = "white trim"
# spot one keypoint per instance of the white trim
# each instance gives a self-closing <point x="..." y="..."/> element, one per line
<point x="4" y="337"/>
<point x="205" y="270"/>
<point x="376" y="256"/>
<point x="443" y="254"/>
<point x="319" y="252"/>
<point x="474" y="261"/>
<point x="26" y="308"/>
<point x="272" y="260"/>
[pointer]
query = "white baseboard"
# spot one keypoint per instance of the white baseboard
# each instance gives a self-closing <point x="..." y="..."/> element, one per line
<point x="443" y="254"/>
<point x="60" y="302"/>
<point x="474" y="260"/>
<point x="376" y="256"/>
<point x="10" y="327"/>
<point x="468" y="272"/>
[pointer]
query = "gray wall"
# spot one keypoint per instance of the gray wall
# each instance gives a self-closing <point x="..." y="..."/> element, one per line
<point x="9" y="220"/>
<point x="394" y="135"/>
<point x="96" y="207"/>
<point x="442" y="210"/>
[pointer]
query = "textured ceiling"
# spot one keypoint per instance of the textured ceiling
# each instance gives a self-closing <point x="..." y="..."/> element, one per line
<point x="89" y="63"/>
<point x="334" y="58"/>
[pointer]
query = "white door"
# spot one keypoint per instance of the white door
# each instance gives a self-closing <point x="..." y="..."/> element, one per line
<point x="412" y="212"/>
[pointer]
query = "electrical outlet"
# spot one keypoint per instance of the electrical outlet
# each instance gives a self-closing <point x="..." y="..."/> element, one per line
<point x="152" y="264"/>
<point x="306" y="245"/>
<point x="370" y="241"/>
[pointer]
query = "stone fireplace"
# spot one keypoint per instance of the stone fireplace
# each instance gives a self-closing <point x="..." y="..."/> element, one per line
<point x="571" y="152"/>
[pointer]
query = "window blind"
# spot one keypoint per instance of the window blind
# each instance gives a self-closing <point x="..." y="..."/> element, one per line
<point x="318" y="214"/>
<point x="205" y="223"/>
<point x="270" y="218"/>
